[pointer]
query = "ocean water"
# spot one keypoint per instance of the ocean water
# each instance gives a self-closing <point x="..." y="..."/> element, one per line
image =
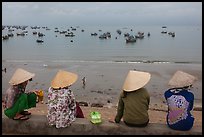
<point x="185" y="47"/>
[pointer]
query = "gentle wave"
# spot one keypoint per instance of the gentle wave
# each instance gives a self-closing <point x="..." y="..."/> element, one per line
<point x="100" y="61"/>
<point x="23" y="61"/>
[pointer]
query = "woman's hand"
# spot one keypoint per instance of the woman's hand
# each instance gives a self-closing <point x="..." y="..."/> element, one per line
<point x="4" y="104"/>
<point x="35" y="91"/>
<point x="111" y="120"/>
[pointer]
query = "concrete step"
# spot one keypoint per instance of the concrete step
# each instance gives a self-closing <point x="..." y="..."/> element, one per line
<point x="37" y="125"/>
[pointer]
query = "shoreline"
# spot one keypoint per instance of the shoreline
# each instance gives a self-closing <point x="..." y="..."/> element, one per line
<point x="104" y="81"/>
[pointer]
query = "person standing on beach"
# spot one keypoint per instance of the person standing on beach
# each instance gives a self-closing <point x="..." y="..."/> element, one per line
<point x="4" y="70"/>
<point x="16" y="100"/>
<point x="134" y="100"/>
<point x="62" y="107"/>
<point x="84" y="82"/>
<point x="180" y="101"/>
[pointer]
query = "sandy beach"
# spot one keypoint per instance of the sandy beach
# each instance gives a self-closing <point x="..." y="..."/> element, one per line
<point x="104" y="82"/>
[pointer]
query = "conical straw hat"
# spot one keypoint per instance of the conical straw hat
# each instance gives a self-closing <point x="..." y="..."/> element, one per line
<point x="63" y="79"/>
<point x="20" y="76"/>
<point x="136" y="80"/>
<point x="181" y="79"/>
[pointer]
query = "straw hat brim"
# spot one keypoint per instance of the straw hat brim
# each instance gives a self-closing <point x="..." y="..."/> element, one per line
<point x="181" y="79"/>
<point x="136" y="80"/>
<point x="63" y="79"/>
<point x="20" y="76"/>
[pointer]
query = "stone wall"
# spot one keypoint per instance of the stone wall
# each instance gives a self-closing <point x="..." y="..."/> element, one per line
<point x="37" y="125"/>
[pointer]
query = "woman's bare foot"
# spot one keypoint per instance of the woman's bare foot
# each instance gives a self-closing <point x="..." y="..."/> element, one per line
<point x="19" y="117"/>
<point x="25" y="113"/>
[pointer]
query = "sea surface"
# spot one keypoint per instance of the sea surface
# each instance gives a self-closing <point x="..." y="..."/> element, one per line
<point x="185" y="47"/>
<point x="88" y="56"/>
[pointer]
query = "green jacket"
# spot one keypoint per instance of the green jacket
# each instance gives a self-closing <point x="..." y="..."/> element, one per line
<point x="134" y="107"/>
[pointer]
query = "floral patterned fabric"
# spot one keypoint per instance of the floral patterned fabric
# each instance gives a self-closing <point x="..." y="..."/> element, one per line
<point x="10" y="96"/>
<point x="13" y="93"/>
<point x="61" y="107"/>
<point x="177" y="108"/>
<point x="180" y="103"/>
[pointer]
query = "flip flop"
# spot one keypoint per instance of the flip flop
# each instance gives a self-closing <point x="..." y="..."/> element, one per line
<point x="25" y="113"/>
<point x="24" y="118"/>
<point x="21" y="118"/>
<point x="15" y="118"/>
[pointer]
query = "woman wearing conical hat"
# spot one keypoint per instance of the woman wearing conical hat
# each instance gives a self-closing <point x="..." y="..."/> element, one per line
<point x="16" y="100"/>
<point x="180" y="101"/>
<point x="62" y="107"/>
<point x="134" y="100"/>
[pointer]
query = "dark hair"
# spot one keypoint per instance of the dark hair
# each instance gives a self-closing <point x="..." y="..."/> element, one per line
<point x="56" y="88"/>
<point x="21" y="87"/>
<point x="61" y="88"/>
<point x="186" y="87"/>
<point x="124" y="94"/>
<point x="66" y="87"/>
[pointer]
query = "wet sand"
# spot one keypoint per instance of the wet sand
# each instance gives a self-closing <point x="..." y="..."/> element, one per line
<point x="104" y="80"/>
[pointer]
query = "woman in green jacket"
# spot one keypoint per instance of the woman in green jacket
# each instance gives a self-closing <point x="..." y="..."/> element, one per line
<point x="16" y="100"/>
<point x="134" y="100"/>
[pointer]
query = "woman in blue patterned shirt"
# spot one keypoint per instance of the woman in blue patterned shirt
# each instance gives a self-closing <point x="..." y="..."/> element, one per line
<point x="180" y="101"/>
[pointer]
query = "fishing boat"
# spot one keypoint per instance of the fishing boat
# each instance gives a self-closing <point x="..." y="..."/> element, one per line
<point x="39" y="41"/>
<point x="131" y="39"/>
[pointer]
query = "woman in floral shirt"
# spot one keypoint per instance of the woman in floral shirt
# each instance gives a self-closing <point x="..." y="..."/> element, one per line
<point x="61" y="100"/>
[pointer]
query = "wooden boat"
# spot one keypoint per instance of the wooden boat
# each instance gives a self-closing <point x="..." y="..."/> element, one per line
<point x="39" y="41"/>
<point x="164" y="32"/>
<point x="94" y="34"/>
<point x="119" y="32"/>
<point x="139" y="36"/>
<point x="148" y="34"/>
<point x="5" y="37"/>
<point x="131" y="39"/>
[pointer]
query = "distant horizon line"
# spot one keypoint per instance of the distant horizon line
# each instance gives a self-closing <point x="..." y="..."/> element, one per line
<point x="41" y="25"/>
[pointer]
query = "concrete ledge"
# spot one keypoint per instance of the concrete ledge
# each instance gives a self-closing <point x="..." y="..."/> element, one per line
<point x="37" y="125"/>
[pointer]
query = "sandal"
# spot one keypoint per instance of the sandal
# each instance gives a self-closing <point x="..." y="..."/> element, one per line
<point x="21" y="118"/>
<point x="25" y="113"/>
<point x="24" y="118"/>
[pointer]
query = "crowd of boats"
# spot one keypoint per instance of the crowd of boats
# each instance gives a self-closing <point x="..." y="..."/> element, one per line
<point x="129" y="37"/>
<point x="165" y="31"/>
